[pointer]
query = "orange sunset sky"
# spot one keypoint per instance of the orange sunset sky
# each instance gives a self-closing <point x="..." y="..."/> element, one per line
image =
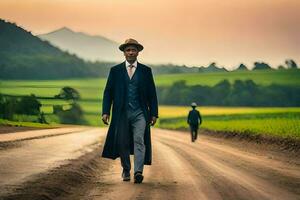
<point x="191" y="32"/>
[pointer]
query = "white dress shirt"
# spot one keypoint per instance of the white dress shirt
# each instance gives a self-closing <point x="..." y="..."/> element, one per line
<point x="133" y="68"/>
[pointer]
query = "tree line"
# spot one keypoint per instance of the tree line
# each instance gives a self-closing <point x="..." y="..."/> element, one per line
<point x="224" y="93"/>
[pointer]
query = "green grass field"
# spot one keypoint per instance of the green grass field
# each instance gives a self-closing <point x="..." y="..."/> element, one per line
<point x="92" y="88"/>
<point x="276" y="121"/>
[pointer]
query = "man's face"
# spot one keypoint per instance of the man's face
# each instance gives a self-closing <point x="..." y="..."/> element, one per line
<point x="131" y="53"/>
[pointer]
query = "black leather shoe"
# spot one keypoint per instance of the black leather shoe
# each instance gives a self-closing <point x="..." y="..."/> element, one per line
<point x="138" y="177"/>
<point x="126" y="175"/>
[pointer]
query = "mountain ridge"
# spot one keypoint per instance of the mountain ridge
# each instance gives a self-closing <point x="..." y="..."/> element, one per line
<point x="85" y="46"/>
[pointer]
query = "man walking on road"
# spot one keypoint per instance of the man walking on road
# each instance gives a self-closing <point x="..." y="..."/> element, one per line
<point x="194" y="119"/>
<point x="130" y="90"/>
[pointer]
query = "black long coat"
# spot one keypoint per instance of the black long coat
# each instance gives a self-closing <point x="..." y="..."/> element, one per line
<point x="115" y="95"/>
<point x="194" y="117"/>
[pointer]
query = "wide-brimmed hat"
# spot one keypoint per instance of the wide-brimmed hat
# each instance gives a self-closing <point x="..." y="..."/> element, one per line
<point x="193" y="104"/>
<point x="133" y="42"/>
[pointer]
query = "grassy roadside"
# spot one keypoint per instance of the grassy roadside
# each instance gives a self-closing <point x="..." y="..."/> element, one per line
<point x="4" y="122"/>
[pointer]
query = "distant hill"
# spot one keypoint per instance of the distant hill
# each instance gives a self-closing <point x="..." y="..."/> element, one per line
<point x="242" y="67"/>
<point x="24" y="56"/>
<point x="212" y="68"/>
<point x="172" y="69"/>
<point x="261" y="66"/>
<point x="83" y="45"/>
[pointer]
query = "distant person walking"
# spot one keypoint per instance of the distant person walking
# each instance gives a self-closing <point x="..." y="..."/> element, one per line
<point x="194" y="119"/>
<point x="130" y="90"/>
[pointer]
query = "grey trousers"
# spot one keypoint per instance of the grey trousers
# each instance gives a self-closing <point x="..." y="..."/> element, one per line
<point x="136" y="121"/>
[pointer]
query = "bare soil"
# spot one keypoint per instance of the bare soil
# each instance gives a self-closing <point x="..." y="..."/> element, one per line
<point x="211" y="168"/>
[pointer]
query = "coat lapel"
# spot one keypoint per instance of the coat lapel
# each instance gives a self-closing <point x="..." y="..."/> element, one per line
<point x="124" y="73"/>
<point x="122" y="79"/>
<point x="139" y="75"/>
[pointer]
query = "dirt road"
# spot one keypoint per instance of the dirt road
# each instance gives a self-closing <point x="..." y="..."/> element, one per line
<point x="210" y="168"/>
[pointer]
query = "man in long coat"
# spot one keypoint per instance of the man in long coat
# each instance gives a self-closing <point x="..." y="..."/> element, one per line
<point x="130" y="90"/>
<point x="194" y="119"/>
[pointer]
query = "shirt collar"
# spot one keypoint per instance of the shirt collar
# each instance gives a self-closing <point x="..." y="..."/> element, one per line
<point x="134" y="64"/>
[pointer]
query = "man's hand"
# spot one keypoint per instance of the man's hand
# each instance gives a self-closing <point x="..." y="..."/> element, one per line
<point x="105" y="119"/>
<point x="153" y="121"/>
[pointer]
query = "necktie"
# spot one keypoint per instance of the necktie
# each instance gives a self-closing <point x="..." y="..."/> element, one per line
<point x="130" y="71"/>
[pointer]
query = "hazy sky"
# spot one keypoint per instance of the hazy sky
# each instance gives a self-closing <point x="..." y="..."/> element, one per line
<point x="191" y="32"/>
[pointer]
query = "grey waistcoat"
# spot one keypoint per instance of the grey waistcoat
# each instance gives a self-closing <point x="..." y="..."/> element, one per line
<point x="132" y="93"/>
